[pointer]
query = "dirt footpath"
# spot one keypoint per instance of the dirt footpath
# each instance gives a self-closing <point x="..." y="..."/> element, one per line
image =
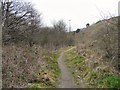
<point x="66" y="77"/>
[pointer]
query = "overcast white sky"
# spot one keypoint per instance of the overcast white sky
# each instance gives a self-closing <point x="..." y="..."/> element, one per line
<point x="79" y="12"/>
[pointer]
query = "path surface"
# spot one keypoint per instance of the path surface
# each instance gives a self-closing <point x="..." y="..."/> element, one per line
<point x="66" y="77"/>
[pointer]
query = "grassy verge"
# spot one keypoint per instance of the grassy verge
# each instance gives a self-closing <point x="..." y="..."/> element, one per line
<point x="91" y="76"/>
<point x="73" y="61"/>
<point x="51" y="69"/>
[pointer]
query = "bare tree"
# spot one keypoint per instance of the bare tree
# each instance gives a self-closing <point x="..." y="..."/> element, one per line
<point x="60" y="25"/>
<point x="19" y="18"/>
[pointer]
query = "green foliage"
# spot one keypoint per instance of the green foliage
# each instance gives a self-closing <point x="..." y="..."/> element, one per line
<point x="109" y="81"/>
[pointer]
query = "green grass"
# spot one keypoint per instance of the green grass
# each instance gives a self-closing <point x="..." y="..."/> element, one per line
<point x="78" y="67"/>
<point x="89" y="75"/>
<point x="51" y="69"/>
<point x="109" y="81"/>
<point x="51" y="59"/>
<point x="42" y="85"/>
<point x="73" y="61"/>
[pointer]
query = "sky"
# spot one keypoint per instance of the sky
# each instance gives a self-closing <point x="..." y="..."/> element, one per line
<point x="76" y="13"/>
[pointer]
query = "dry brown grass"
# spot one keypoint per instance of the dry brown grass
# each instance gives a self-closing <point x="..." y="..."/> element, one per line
<point x="90" y="71"/>
<point x="20" y="63"/>
<point x="100" y="40"/>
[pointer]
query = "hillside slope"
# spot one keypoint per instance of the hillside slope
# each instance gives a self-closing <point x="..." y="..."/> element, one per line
<point x="90" y="73"/>
<point x="100" y="40"/>
<point x="98" y="44"/>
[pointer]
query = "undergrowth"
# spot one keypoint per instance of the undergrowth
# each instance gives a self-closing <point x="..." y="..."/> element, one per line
<point x="90" y="76"/>
<point x="51" y="69"/>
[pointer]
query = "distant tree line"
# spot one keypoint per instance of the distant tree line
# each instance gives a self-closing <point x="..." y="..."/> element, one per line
<point x="22" y="24"/>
